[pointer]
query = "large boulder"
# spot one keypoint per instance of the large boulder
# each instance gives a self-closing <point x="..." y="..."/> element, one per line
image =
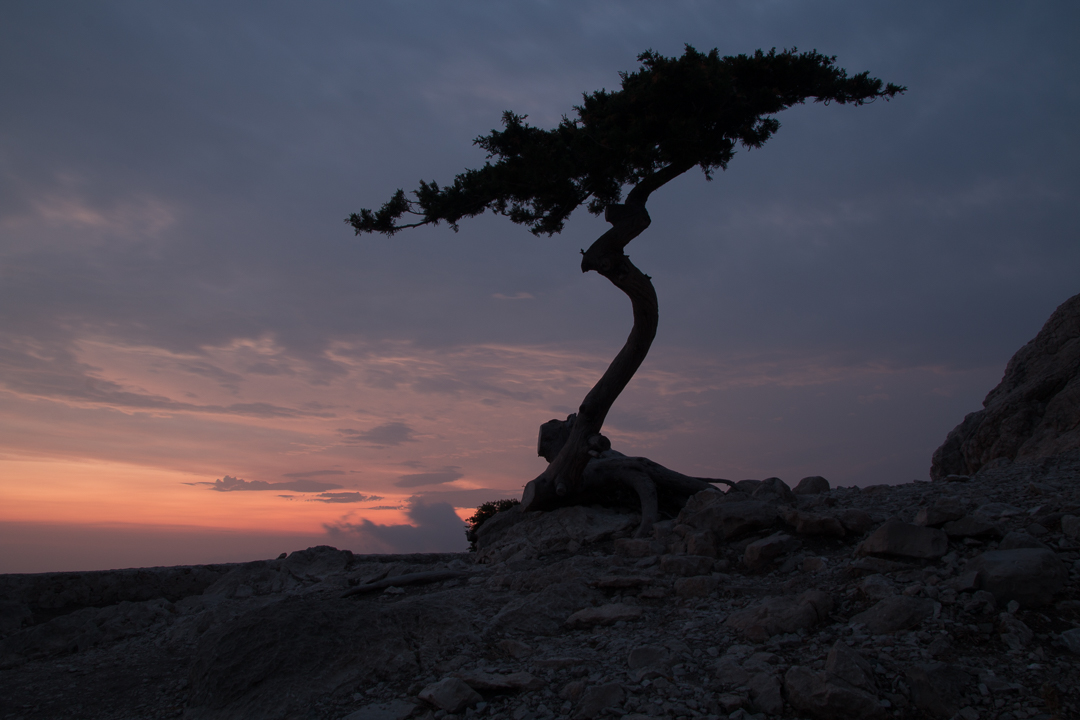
<point x="1033" y="413"/>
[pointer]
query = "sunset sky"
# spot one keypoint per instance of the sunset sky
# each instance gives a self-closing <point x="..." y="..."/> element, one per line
<point x="199" y="362"/>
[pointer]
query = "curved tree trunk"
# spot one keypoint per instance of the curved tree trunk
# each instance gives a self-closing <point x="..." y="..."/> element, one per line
<point x="563" y="477"/>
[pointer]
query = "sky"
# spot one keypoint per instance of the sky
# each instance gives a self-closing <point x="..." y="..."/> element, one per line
<point x="199" y="362"/>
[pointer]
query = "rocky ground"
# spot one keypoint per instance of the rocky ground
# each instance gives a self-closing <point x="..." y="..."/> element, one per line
<point x="953" y="599"/>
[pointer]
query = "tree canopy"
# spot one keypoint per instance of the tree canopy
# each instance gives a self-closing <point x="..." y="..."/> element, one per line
<point x="671" y="115"/>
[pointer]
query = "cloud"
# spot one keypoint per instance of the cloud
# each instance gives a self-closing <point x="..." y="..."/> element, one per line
<point x="447" y="475"/>
<point x="435" y="528"/>
<point x="385" y="435"/>
<point x="231" y="484"/>
<point x="465" y="498"/>
<point x="516" y="296"/>
<point x="345" y="497"/>
<point x="313" y="473"/>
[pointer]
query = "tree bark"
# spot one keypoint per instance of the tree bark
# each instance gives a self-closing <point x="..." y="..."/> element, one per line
<point x="562" y="479"/>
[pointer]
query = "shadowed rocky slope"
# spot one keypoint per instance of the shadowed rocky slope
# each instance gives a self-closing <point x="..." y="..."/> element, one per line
<point x="1034" y="413"/>
<point x="928" y="600"/>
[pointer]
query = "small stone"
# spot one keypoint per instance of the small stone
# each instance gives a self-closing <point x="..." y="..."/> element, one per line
<point x="393" y="710"/>
<point x="942" y="511"/>
<point x="515" y="682"/>
<point x="811" y="564"/>
<point x="765" y="693"/>
<point x="812" y="524"/>
<point x="1070" y="525"/>
<point x="856" y="521"/>
<point x="786" y="614"/>
<point x="972" y="526"/>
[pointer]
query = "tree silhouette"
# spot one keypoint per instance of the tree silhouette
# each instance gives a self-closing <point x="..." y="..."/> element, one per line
<point x="672" y="115"/>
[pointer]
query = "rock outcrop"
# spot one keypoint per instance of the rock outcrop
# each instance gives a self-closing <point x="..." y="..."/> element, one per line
<point x="758" y="603"/>
<point x="1034" y="413"/>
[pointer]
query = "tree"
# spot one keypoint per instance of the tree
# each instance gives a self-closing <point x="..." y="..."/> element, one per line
<point x="672" y="115"/>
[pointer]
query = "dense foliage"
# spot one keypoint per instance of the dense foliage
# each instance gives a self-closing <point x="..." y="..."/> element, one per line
<point x="482" y="514"/>
<point x="670" y="115"/>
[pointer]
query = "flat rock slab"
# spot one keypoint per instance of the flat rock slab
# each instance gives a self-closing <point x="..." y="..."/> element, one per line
<point x="604" y="615"/>
<point x="498" y="682"/>
<point x="899" y="612"/>
<point x="905" y="540"/>
<point x="731" y="520"/>
<point x="1030" y="576"/>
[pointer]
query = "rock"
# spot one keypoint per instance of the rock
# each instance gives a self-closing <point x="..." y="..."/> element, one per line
<point x="774" y="490"/>
<point x="450" y="694"/>
<point x="1070" y="525"/>
<point x="765" y="693"/>
<point x="877" y="587"/>
<point x="499" y="682"/>
<point x="544" y="612"/>
<point x="1071" y="638"/>
<point x="731" y="674"/>
<point x="813" y="485"/>
<point x="732" y="520"/>
<point x="760" y="554"/>
<point x="945" y="509"/>
<point x="702" y="543"/>
<point x="515" y="648"/>
<point x="597" y="698"/>
<point x="1030" y="576"/>
<point x="1033" y="413"/>
<point x="939" y="689"/>
<point x="637" y="547"/>
<point x="1014" y="632"/>
<point x="899" y="612"/>
<point x="646" y="655"/>
<point x="811" y="693"/>
<point x="699" y="586"/>
<point x="273" y="661"/>
<point x="686" y="564"/>
<point x="604" y="615"/>
<point x="855" y="521"/>
<point x="393" y="710"/>
<point x="846" y="665"/>
<point x="786" y="614"/>
<point x="905" y="540"/>
<point x="1016" y="540"/>
<point x="974" y="526"/>
<point x="531" y="534"/>
<point x="811" y="524"/>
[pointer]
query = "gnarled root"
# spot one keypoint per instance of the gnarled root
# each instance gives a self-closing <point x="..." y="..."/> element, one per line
<point x="653" y="483"/>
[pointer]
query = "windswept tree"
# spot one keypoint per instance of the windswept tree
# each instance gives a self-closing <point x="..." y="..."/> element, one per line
<point x="670" y="116"/>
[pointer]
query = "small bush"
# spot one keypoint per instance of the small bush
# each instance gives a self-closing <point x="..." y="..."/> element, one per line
<point x="483" y="512"/>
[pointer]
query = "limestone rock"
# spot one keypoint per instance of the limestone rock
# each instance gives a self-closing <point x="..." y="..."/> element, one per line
<point x="939" y="689"/>
<point x="774" y="490"/>
<point x="604" y="615"/>
<point x="899" y="612"/>
<point x="697" y="586"/>
<point x="813" y="485"/>
<point x="855" y="521"/>
<point x="450" y="694"/>
<point x="942" y="511"/>
<point x="1030" y="576"/>
<point x="812" y="693"/>
<point x="905" y="540"/>
<point x="393" y="710"/>
<point x="765" y="693"/>
<point x="973" y="526"/>
<point x="1033" y="413"/>
<point x="732" y="520"/>
<point x="686" y="565"/>
<point x="543" y="613"/>
<point x="806" y="523"/>
<point x="499" y="682"/>
<point x="596" y="699"/>
<point x="784" y="614"/>
<point x="760" y="554"/>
